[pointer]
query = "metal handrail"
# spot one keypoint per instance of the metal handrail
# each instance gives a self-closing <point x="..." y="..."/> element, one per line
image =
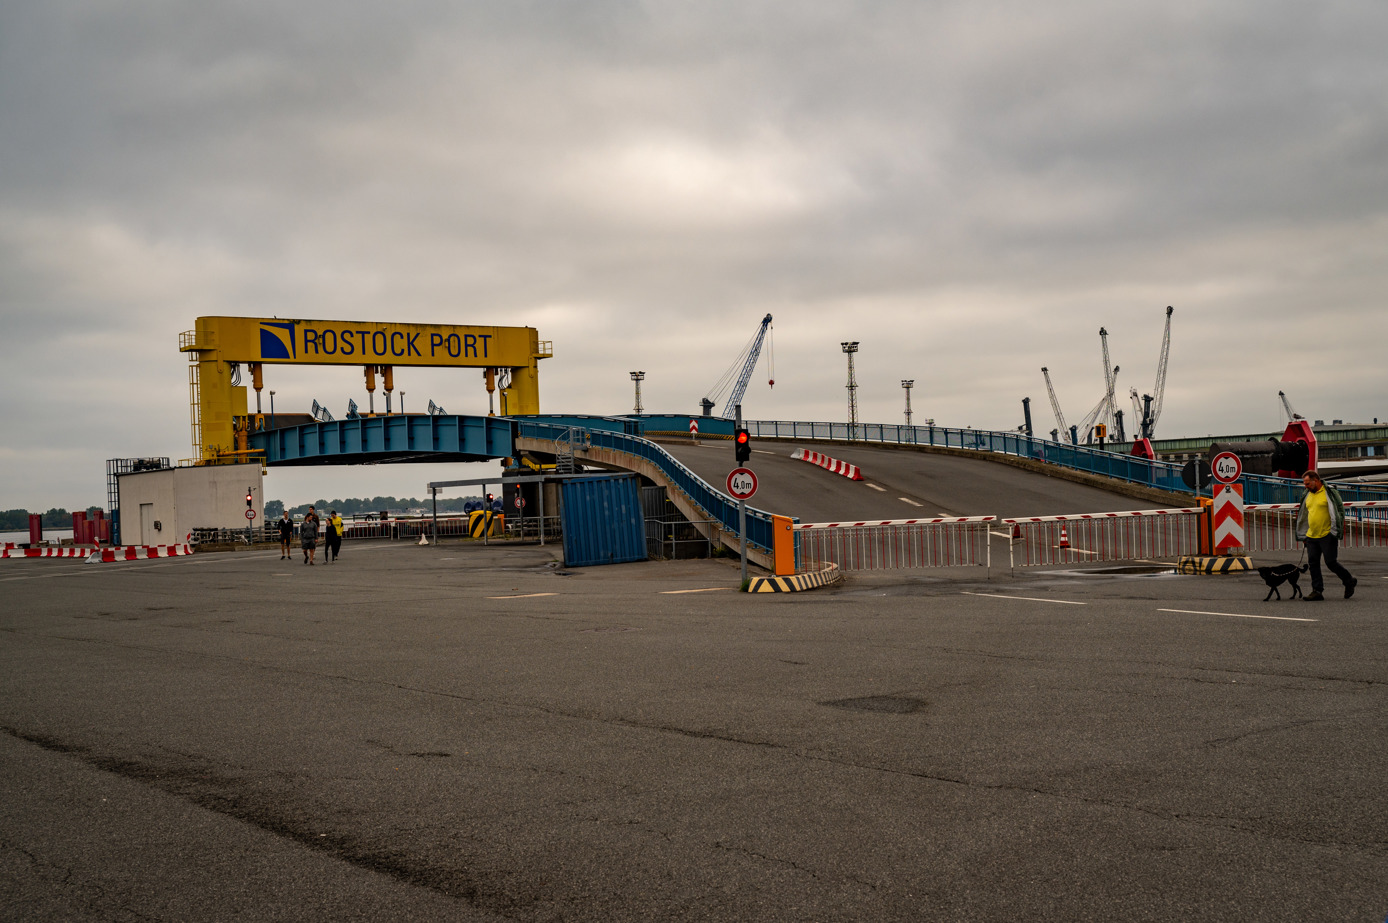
<point x="717" y="505"/>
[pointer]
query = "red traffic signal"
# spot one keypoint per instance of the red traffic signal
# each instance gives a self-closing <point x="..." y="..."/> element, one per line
<point x="250" y="499"/>
<point x="743" y="442"/>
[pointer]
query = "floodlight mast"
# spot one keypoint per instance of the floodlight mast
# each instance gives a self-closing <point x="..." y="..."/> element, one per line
<point x="849" y="349"/>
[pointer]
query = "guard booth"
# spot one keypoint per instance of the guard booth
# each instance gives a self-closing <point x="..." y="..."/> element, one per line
<point x="603" y="521"/>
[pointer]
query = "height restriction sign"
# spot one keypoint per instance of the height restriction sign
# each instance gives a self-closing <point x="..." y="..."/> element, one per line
<point x="1226" y="467"/>
<point x="742" y="483"/>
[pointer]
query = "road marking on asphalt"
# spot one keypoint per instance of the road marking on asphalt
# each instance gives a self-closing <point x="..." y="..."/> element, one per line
<point x="764" y="452"/>
<point x="875" y="487"/>
<point x="908" y="500"/>
<point x="1030" y="599"/>
<point x="523" y="596"/>
<point x="1236" y="615"/>
<point x="1006" y="535"/>
<point x="708" y="589"/>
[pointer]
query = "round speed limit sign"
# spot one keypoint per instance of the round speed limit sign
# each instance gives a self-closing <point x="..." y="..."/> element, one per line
<point x="1226" y="467"/>
<point x="250" y="514"/>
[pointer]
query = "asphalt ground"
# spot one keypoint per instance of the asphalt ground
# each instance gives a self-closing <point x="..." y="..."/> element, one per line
<point x="897" y="484"/>
<point x="472" y="733"/>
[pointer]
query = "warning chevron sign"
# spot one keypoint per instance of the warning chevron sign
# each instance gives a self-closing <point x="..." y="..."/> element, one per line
<point x="1228" y="517"/>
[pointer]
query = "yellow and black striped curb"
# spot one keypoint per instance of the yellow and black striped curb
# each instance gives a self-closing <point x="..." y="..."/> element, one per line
<point x="825" y="576"/>
<point x="1213" y="564"/>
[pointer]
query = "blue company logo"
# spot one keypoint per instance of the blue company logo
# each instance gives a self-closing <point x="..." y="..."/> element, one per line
<point x="277" y="341"/>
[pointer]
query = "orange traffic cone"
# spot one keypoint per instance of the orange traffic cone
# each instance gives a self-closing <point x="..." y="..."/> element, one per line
<point x="1064" y="538"/>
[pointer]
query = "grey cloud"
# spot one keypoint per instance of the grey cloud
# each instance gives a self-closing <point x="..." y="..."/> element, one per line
<point x="970" y="190"/>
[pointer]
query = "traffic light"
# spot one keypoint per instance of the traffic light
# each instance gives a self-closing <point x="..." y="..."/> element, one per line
<point x="743" y="441"/>
<point x="1101" y="430"/>
<point x="491" y="498"/>
<point x="250" y="499"/>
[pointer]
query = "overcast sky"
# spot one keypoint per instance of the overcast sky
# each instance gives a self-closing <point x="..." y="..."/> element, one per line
<point x="968" y="189"/>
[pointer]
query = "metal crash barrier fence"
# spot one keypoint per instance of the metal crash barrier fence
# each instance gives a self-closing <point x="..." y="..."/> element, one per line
<point x="899" y="543"/>
<point x="1093" y="460"/>
<point x="1093" y="537"/>
<point x="1272" y="526"/>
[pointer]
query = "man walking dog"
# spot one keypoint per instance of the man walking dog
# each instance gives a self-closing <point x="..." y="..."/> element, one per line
<point x="1320" y="521"/>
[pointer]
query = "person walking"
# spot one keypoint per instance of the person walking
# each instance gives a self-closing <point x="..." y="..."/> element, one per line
<point x="1320" y="520"/>
<point x="286" y="530"/>
<point x="333" y="538"/>
<point x="308" y="535"/>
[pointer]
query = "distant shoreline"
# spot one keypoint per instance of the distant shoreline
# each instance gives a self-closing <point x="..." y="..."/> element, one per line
<point x="22" y="535"/>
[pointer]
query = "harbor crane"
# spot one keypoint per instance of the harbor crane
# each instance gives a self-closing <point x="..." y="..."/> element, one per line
<point x="1111" y="416"/>
<point x="740" y="373"/>
<point x="1055" y="408"/>
<point x="1148" y="407"/>
<point x="1151" y="409"/>
<point x="1103" y="411"/>
<point x="1292" y="415"/>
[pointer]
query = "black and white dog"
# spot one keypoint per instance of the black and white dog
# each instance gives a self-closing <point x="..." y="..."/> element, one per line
<point x="1279" y="574"/>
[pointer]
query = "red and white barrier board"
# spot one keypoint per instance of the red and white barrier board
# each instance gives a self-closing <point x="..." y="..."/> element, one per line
<point x="45" y="552"/>
<point x="1094" y="537"/>
<point x="828" y="464"/>
<point x="137" y="553"/>
<point x="1228" y="517"/>
<point x="1272" y="526"/>
<point x="889" y="544"/>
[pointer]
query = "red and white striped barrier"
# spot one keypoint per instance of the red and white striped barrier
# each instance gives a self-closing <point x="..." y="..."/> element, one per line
<point x="894" y="522"/>
<point x="891" y="544"/>
<point x="828" y="464"/>
<point x="137" y="553"/>
<point x="1227" y="515"/>
<point x="1092" y="537"/>
<point x="1272" y="526"/>
<point x="45" y="552"/>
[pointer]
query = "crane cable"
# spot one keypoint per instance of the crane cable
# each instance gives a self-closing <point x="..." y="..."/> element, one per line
<point x="771" y="355"/>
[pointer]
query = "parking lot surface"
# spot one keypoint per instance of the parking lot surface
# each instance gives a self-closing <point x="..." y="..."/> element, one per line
<point x="463" y="733"/>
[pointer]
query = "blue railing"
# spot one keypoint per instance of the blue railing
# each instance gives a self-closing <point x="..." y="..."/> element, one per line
<point x="717" y="505"/>
<point x="1134" y="470"/>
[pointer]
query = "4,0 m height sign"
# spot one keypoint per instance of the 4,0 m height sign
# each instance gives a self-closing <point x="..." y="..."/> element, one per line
<point x="742" y="483"/>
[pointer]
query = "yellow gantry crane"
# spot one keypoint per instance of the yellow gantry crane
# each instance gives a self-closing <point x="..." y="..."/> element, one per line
<point x="218" y="346"/>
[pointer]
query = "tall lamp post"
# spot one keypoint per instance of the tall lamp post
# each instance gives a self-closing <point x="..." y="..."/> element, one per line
<point x="402" y="401"/>
<point x="849" y="349"/>
<point x="272" y="410"/>
<point x="908" y="384"/>
<point x="638" y="377"/>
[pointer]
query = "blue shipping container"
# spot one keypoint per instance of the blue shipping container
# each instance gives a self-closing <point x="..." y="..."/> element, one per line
<point x="603" y="522"/>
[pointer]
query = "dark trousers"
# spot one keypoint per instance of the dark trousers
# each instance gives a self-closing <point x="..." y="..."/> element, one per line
<point x="1329" y="546"/>
<point x="334" y="546"/>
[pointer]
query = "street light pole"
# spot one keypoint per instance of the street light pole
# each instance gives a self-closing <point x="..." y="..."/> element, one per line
<point x="272" y="410"/>
<point x="638" y="377"/>
<point x="908" y="384"/>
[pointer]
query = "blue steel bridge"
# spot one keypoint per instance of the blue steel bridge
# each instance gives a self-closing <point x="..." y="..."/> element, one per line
<point x="628" y="443"/>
